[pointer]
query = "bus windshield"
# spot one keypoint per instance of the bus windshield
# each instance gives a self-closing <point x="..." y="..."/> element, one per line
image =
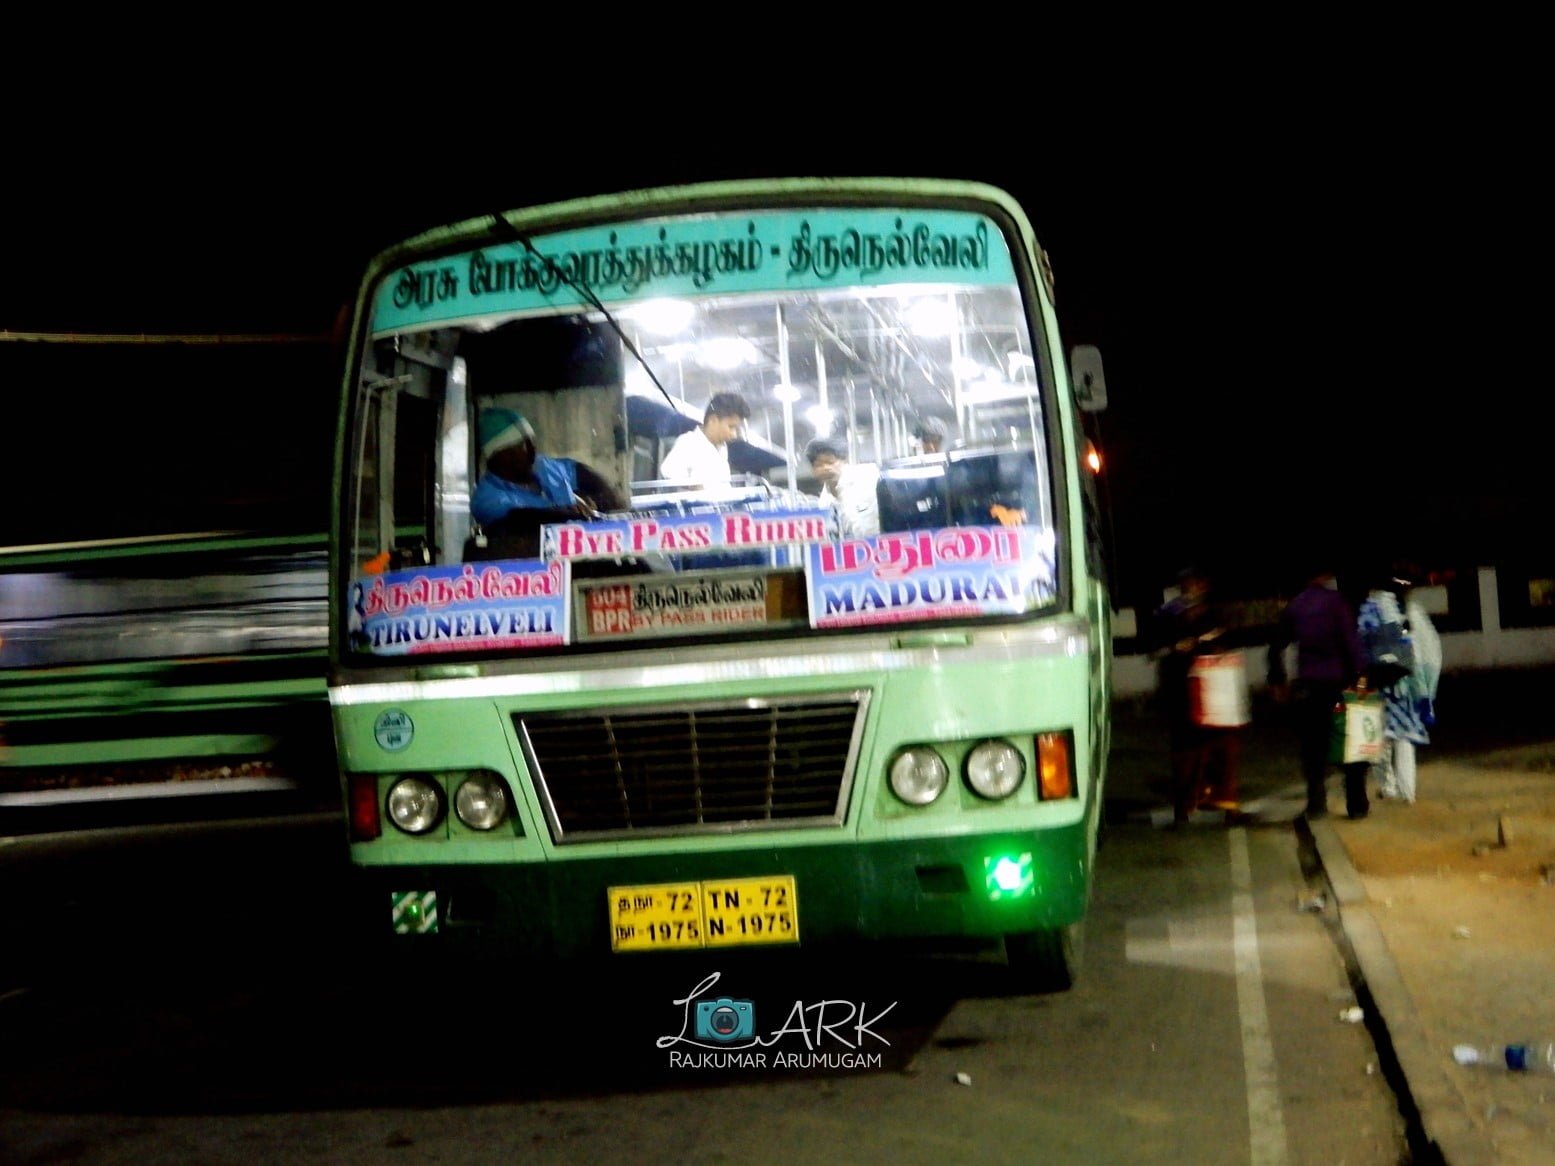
<point x="735" y="423"/>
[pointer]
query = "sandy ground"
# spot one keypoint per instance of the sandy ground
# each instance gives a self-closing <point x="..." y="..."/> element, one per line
<point x="1469" y="922"/>
<point x="1462" y="885"/>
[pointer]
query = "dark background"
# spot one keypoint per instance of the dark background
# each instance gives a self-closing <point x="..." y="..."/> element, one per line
<point x="1306" y="353"/>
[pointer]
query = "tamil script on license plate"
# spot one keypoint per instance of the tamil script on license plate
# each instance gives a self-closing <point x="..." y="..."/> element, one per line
<point x="710" y="913"/>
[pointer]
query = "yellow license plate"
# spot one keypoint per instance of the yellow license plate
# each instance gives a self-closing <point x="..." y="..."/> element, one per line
<point x="711" y="913"/>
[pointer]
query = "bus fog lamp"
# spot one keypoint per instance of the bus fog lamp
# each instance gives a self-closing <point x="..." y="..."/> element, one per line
<point x="1009" y="876"/>
<point x="415" y="805"/>
<point x="994" y="769"/>
<point x="481" y="801"/>
<point x="918" y="776"/>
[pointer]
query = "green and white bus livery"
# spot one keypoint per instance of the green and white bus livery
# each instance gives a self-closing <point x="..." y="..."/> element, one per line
<point x="737" y="712"/>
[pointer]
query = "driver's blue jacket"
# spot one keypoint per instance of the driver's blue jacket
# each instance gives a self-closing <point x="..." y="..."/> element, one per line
<point x="495" y="496"/>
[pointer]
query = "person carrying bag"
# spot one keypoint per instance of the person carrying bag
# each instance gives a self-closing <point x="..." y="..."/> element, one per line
<point x="1405" y="662"/>
<point x="1197" y="684"/>
<point x="1357" y="734"/>
<point x="1321" y="625"/>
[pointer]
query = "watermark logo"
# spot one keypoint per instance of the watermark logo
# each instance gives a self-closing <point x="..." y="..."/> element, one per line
<point x="725" y="1020"/>
<point x="720" y="1032"/>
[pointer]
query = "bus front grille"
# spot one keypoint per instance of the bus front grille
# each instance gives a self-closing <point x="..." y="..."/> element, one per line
<point x="723" y="767"/>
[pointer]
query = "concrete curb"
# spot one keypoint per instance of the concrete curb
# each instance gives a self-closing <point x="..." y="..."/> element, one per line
<point x="1424" y="1084"/>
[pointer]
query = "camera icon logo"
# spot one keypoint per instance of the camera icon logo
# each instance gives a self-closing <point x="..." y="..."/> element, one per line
<point x="724" y="1019"/>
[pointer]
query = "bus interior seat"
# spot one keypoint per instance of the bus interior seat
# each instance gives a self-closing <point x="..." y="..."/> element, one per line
<point x="993" y="487"/>
<point x="913" y="495"/>
<point x="984" y="487"/>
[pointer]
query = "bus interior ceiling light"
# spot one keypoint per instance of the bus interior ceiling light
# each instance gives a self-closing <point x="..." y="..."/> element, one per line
<point x="639" y="383"/>
<point x="665" y="317"/>
<point x="931" y="317"/>
<point x="725" y="353"/>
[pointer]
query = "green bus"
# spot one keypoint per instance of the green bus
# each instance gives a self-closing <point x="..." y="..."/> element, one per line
<point x="158" y="678"/>
<point x="643" y="711"/>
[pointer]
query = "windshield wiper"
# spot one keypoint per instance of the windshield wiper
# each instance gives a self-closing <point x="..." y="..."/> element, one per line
<point x="513" y="235"/>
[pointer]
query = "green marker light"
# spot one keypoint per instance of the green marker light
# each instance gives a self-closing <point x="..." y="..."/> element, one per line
<point x="1009" y="876"/>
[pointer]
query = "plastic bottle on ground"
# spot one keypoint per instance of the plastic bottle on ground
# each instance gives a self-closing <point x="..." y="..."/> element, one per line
<point x="1530" y="1057"/>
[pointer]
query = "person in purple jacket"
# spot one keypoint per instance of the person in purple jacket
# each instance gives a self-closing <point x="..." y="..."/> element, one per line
<point x="1321" y="624"/>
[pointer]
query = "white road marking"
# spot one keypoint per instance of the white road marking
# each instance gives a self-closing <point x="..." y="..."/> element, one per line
<point x="1265" y="1119"/>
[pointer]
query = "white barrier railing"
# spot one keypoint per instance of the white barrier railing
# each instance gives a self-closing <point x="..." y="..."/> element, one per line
<point x="1491" y="646"/>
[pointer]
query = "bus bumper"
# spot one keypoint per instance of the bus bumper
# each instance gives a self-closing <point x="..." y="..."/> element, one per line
<point x="943" y="892"/>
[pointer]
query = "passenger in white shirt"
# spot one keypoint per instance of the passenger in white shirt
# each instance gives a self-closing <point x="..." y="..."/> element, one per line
<point x="700" y="457"/>
<point x="849" y="488"/>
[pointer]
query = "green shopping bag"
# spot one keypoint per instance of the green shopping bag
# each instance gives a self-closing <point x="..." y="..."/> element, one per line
<point x="1357" y="734"/>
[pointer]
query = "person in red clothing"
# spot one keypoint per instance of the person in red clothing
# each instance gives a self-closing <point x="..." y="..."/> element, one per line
<point x="1204" y="759"/>
<point x="1321" y="624"/>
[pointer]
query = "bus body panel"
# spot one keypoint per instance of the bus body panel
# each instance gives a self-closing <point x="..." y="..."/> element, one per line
<point x="888" y="870"/>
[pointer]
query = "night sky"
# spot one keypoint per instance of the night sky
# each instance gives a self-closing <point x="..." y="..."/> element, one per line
<point x="1282" y="340"/>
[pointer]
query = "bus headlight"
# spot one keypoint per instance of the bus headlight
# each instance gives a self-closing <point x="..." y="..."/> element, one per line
<point x="918" y="776"/>
<point x="415" y="804"/>
<point x="994" y="769"/>
<point x="481" y="801"/>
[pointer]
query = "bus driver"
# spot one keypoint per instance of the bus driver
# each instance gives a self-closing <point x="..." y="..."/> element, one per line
<point x="522" y="489"/>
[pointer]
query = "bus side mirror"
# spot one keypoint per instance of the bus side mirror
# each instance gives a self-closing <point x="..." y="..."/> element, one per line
<point x="1085" y="374"/>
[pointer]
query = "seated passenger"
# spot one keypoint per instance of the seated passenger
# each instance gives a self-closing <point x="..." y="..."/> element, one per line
<point x="523" y="490"/>
<point x="700" y="456"/>
<point x="849" y="488"/>
<point x="933" y="435"/>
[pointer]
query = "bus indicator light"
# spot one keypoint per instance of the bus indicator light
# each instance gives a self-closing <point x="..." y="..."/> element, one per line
<point x="1055" y="772"/>
<point x="365" y="825"/>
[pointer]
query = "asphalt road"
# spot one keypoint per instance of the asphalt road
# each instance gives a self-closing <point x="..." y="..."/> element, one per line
<point x="1205" y="1029"/>
<point x="217" y="1020"/>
